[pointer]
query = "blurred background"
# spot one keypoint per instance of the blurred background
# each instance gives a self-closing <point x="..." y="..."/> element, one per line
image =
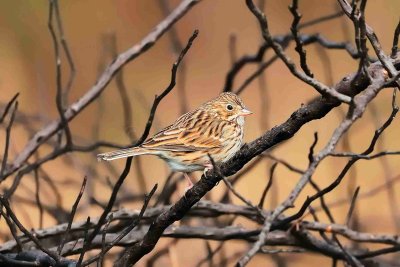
<point x="227" y="31"/>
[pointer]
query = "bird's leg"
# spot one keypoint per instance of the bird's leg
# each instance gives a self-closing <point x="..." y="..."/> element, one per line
<point x="190" y="183"/>
<point x="208" y="166"/>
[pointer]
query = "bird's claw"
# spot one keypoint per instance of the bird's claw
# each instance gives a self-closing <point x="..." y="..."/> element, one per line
<point x="208" y="166"/>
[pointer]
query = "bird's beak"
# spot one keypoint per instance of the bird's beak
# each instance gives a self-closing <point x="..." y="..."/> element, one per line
<point x="245" y="112"/>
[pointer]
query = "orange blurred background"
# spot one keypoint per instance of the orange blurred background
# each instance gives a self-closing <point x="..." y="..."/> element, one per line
<point x="27" y="66"/>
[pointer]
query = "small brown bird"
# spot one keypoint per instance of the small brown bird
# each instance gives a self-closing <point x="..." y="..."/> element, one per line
<point x="215" y="129"/>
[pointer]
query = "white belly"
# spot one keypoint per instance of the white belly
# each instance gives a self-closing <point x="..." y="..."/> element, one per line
<point x="179" y="167"/>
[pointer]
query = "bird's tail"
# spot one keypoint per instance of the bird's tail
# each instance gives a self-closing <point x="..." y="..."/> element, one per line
<point x="123" y="153"/>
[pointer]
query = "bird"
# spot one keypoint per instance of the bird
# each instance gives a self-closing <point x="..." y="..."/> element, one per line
<point x="208" y="135"/>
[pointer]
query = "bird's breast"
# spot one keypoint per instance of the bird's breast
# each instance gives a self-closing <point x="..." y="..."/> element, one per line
<point x="231" y="142"/>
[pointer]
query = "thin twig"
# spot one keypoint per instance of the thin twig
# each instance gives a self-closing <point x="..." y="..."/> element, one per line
<point x="37" y="197"/>
<point x="347" y="167"/>
<point x="299" y="45"/>
<point x="127" y="230"/>
<point x="177" y="47"/>
<point x="33" y="238"/>
<point x="8" y="106"/>
<point x="7" y="142"/>
<point x="74" y="109"/>
<point x="103" y="241"/>
<point x="239" y="196"/>
<point x="268" y="186"/>
<point x="312" y="147"/>
<point x="171" y="85"/>
<point x="59" y="100"/>
<point x="68" y="54"/>
<point x="12" y="228"/>
<point x="72" y="215"/>
<point x="352" y="205"/>
<point x="109" y="206"/>
<point x="321" y="88"/>
<point x="395" y="40"/>
<point x="85" y="241"/>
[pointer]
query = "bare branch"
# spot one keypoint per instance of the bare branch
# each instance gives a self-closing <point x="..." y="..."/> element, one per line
<point x="71" y="218"/>
<point x="126" y="231"/>
<point x="59" y="101"/>
<point x="295" y="31"/>
<point x="74" y="109"/>
<point x="26" y="232"/>
<point x="395" y="40"/>
<point x="171" y="85"/>
<point x="8" y="136"/>
<point x="352" y="205"/>
<point x="268" y="186"/>
<point x="8" y="106"/>
<point x="37" y="197"/>
<point x="321" y="88"/>
<point x="314" y="110"/>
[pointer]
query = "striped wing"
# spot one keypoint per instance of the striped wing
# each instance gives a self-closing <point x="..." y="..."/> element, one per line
<point x="193" y="131"/>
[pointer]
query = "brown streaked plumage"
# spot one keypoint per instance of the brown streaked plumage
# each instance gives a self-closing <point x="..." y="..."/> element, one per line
<point x="214" y="128"/>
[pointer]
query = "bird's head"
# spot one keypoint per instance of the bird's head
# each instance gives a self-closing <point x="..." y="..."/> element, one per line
<point x="228" y="106"/>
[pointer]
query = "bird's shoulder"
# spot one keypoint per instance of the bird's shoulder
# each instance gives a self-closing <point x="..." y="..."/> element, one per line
<point x="188" y="131"/>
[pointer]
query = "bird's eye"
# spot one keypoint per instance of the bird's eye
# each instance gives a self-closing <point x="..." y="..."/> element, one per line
<point x="229" y="107"/>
